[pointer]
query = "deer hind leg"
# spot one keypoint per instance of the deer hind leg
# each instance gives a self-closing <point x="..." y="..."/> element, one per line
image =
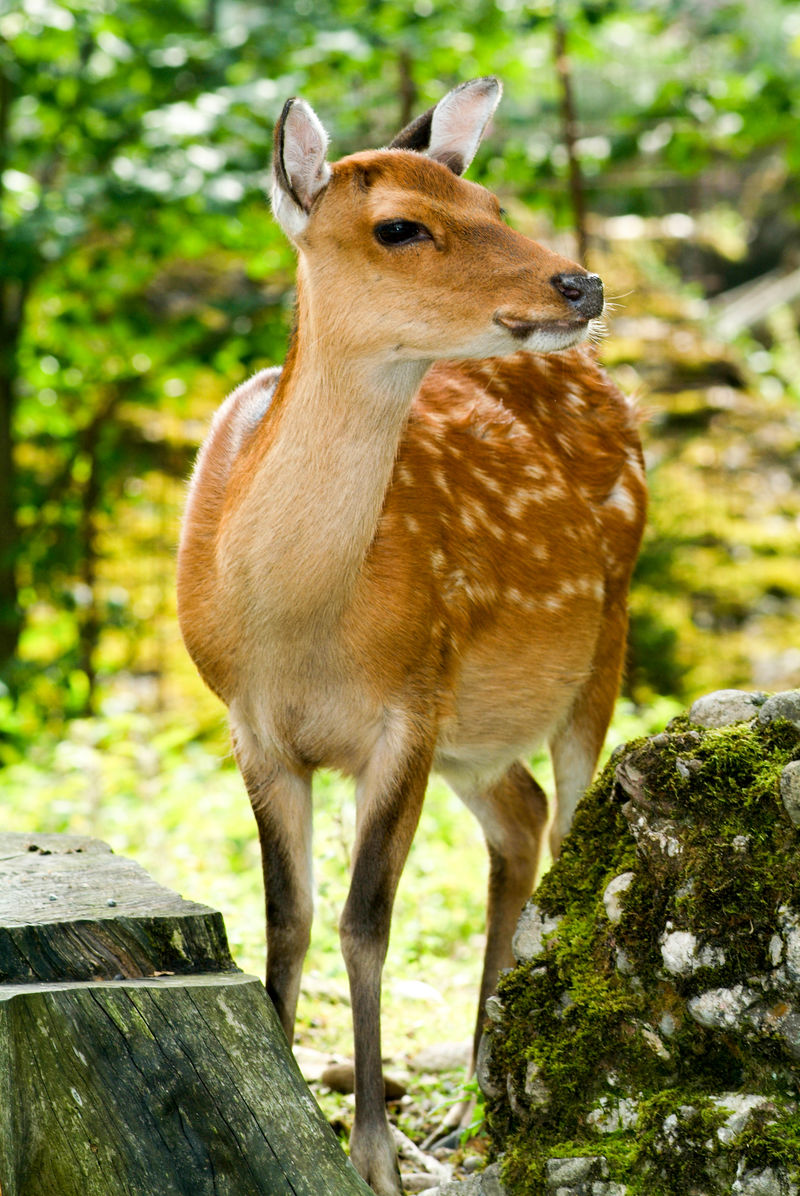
<point x="576" y="745"/>
<point x="281" y="801"/>
<point x="513" y="815"/>
<point x="388" y="811"/>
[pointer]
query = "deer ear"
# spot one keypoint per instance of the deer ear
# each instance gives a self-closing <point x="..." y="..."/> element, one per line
<point x="451" y="132"/>
<point x="299" y="169"/>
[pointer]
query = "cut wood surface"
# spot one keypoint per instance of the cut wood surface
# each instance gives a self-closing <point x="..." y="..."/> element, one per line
<point x="72" y="910"/>
<point x="157" y="1085"/>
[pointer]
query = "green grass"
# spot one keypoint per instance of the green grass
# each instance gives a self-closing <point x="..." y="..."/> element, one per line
<point x="147" y="787"/>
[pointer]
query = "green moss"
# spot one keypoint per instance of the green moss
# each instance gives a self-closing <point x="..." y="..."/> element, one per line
<point x="773" y="1141"/>
<point x="591" y="1034"/>
<point x="597" y="847"/>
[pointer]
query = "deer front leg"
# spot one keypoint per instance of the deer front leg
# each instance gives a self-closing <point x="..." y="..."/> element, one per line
<point x="281" y="801"/>
<point x="388" y="813"/>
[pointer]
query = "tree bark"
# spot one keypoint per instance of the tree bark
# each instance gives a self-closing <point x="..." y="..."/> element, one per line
<point x="570" y="134"/>
<point x="12" y="303"/>
<point x="180" y="1082"/>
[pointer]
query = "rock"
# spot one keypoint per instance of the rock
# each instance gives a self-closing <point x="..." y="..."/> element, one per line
<point x="568" y="1172"/>
<point x="789" y="922"/>
<point x="583" y="1175"/>
<point x="532" y="930"/>
<point x="785" y="705"/>
<point x="722" y="1008"/>
<point x="313" y="1063"/>
<point x="612" y="1115"/>
<point x="768" y="1182"/>
<point x="657" y="998"/>
<point x="682" y="957"/>
<point x="726" y="706"/>
<point x="443" y="1056"/>
<point x="536" y="1090"/>
<point x="790" y="790"/>
<point x="654" y="1042"/>
<point x="614" y="890"/>
<point x="486" y="1183"/>
<point x="483" y="1066"/>
<point x="340" y="1077"/>
<point x="739" y="1107"/>
<point x="494" y="1009"/>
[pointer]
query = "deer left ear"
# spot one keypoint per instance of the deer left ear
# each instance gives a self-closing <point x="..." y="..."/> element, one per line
<point x="451" y="132"/>
<point x="299" y="169"/>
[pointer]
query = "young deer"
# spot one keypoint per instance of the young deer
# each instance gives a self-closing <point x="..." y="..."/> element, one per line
<point x="389" y="565"/>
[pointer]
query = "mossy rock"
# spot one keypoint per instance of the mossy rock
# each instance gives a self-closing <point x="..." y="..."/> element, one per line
<point x="650" y="1034"/>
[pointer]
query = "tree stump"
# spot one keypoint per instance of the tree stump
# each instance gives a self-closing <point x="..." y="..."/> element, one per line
<point x="135" y="1059"/>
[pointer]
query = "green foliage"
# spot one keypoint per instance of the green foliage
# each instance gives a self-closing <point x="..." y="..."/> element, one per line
<point x="142" y="276"/>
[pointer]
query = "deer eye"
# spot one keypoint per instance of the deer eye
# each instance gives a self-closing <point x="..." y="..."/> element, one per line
<point x="401" y="232"/>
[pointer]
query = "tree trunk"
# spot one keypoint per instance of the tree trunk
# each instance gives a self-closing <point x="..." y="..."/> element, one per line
<point x="10" y="615"/>
<point x="570" y="134"/>
<point x="172" y="1076"/>
<point x="12" y="304"/>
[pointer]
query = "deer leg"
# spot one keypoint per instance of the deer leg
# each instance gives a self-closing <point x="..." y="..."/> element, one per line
<point x="514" y="819"/>
<point x="513" y="815"/>
<point x="577" y="743"/>
<point x="386" y="821"/>
<point x="281" y="801"/>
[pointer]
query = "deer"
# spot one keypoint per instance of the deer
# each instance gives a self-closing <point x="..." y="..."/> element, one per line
<point x="411" y="547"/>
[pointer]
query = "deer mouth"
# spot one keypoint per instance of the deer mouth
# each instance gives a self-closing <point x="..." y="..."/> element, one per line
<point x="574" y="329"/>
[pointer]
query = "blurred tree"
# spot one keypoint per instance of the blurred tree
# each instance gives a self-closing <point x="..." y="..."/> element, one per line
<point x="141" y="276"/>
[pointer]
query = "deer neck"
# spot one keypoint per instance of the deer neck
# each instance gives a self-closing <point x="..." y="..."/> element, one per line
<point x="331" y="438"/>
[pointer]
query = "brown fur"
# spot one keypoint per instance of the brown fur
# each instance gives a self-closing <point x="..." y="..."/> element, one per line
<point x="378" y="575"/>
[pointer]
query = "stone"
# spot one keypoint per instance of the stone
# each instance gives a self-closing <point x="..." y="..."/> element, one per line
<point x="660" y="834"/>
<point x="485" y="1183"/>
<point x="784" y="705"/>
<point x="613" y="1115"/>
<point x="762" y="1183"/>
<point x="681" y="984"/>
<point x="613" y="891"/>
<point x="655" y="1043"/>
<point x="483" y="1066"/>
<point x="313" y="1063"/>
<point x="776" y="950"/>
<point x="725" y="706"/>
<point x="569" y="1172"/>
<point x="790" y="790"/>
<point x="681" y="956"/>
<point x="494" y="1009"/>
<point x="789" y="1029"/>
<point x="790" y="930"/>
<point x="340" y="1077"/>
<point x="536" y="1090"/>
<point x="740" y="1107"/>
<point x="722" y="1008"/>
<point x="532" y="930"/>
<point x="443" y="1056"/>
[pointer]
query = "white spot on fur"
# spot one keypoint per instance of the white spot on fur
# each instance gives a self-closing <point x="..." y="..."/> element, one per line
<point x="621" y="499"/>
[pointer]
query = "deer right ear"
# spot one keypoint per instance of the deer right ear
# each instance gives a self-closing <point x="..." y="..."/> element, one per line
<point x="299" y="169"/>
<point x="451" y="131"/>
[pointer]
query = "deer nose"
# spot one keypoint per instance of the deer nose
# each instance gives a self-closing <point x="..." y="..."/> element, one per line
<point x="583" y="292"/>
